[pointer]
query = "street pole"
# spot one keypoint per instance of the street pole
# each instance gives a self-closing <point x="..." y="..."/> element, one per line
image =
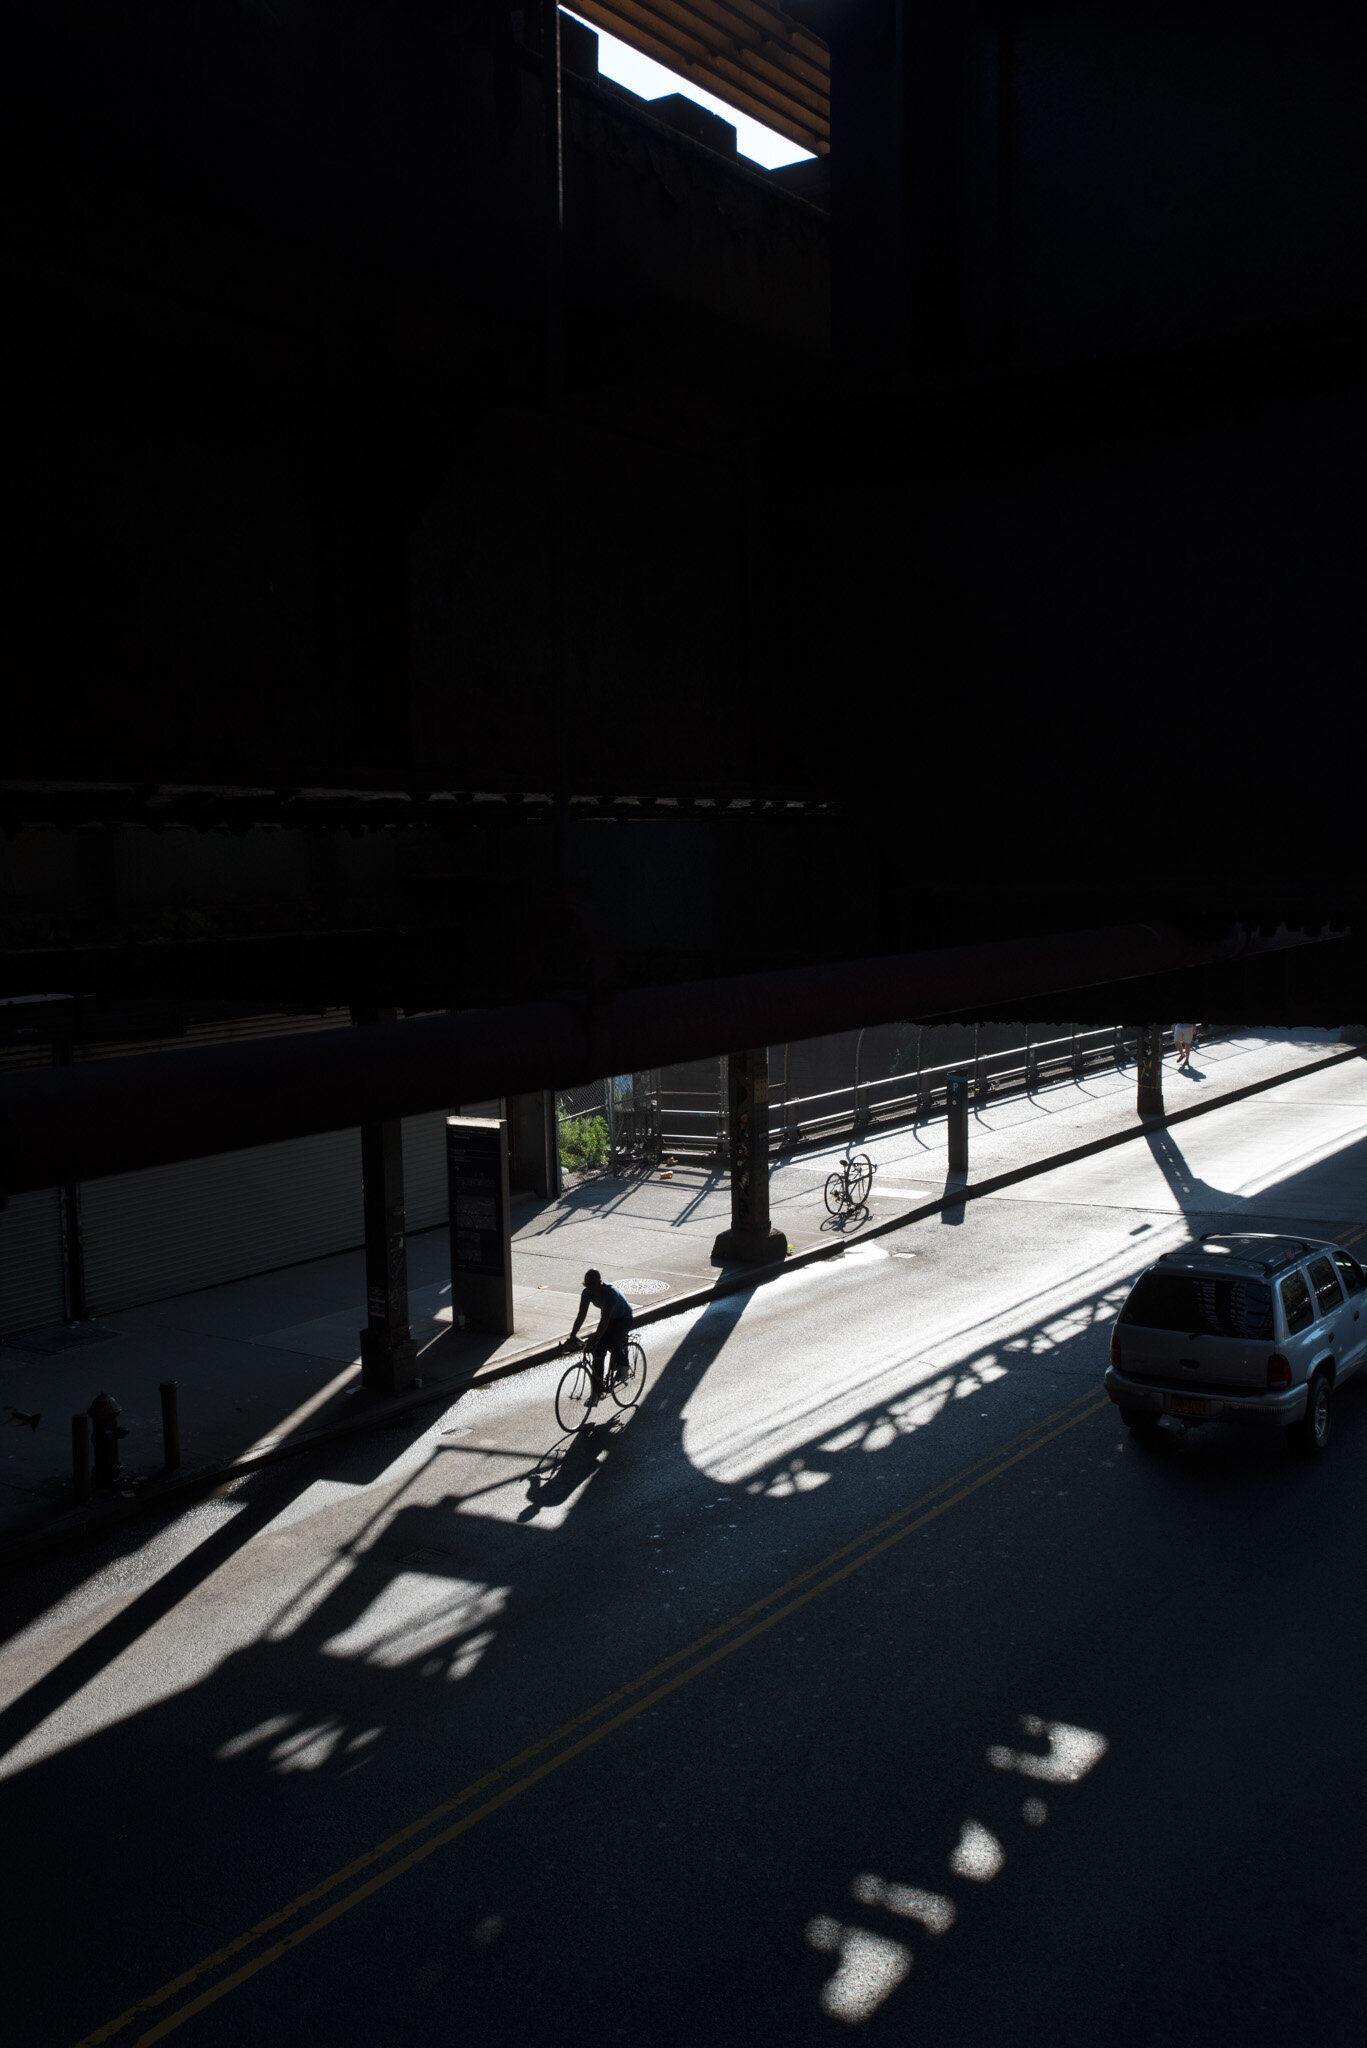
<point x="1150" y="1094"/>
<point x="956" y="1106"/>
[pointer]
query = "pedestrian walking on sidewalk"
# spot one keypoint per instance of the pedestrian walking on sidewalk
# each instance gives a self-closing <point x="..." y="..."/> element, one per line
<point x="1185" y="1037"/>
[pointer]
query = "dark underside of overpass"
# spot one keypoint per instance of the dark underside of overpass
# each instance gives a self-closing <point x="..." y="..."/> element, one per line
<point x="424" y="602"/>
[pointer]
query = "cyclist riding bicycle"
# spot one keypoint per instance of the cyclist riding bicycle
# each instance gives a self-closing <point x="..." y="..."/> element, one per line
<point x="614" y="1322"/>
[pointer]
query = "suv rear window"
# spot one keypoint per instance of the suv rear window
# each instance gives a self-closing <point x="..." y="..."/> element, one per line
<point x="1297" y="1306"/>
<point x="1201" y="1306"/>
<point x="1324" y="1280"/>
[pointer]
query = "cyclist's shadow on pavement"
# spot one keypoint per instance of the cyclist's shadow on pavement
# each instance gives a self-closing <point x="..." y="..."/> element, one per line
<point x="571" y="1460"/>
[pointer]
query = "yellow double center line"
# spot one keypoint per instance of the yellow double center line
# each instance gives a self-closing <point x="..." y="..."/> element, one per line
<point x="421" y="1838"/>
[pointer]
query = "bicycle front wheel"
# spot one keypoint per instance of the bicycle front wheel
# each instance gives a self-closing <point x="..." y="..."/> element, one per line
<point x="861" y="1179"/>
<point x="574" y="1396"/>
<point x="626" y="1391"/>
<point x="835" y="1193"/>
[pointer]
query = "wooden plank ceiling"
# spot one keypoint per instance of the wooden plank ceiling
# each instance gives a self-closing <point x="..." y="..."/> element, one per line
<point x="748" y="54"/>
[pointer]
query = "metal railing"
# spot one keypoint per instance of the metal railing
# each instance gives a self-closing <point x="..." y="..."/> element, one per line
<point x="692" y="1123"/>
<point x="915" y="1094"/>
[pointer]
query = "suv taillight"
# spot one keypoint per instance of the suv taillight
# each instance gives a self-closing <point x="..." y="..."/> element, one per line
<point x="1278" y="1370"/>
<point x="1115" y="1347"/>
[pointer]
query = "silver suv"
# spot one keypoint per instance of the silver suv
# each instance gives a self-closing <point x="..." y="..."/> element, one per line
<point x="1241" y="1328"/>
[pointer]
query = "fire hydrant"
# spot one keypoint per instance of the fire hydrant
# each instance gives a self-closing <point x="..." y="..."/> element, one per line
<point x="107" y="1476"/>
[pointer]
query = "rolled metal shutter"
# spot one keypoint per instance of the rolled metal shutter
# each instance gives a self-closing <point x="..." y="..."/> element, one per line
<point x="30" y="1262"/>
<point x="424" y="1170"/>
<point x="203" y="1221"/>
<point x="31" y="1281"/>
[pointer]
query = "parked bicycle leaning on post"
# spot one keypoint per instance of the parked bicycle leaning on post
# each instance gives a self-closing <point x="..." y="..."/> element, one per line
<point x="848" y="1188"/>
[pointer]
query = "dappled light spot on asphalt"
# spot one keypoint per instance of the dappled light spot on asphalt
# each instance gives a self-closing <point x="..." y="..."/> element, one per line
<point x="415" y="1615"/>
<point x="297" y="1749"/>
<point x="307" y="1749"/>
<point x="1072" y="1752"/>
<point x="936" y="1913"/>
<point x="796" y="1477"/>
<point x="871" y="1968"/>
<point x="923" y="1405"/>
<point x="871" y="1965"/>
<point x="980" y="1374"/>
<point x="977" y="1854"/>
<point x="264" y="1731"/>
<point x="469" y="1654"/>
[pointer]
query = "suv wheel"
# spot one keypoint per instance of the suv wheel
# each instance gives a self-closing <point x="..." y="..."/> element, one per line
<point x="1140" y="1421"/>
<point x="1311" y="1437"/>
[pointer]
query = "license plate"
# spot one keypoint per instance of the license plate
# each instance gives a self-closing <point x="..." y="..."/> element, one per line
<point x="1186" y="1404"/>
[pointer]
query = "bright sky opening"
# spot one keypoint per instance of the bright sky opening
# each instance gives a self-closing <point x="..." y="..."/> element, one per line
<point x="642" y="75"/>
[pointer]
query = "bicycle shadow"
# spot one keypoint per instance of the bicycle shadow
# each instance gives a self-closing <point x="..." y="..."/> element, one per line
<point x="563" y="1468"/>
<point x="849" y="1219"/>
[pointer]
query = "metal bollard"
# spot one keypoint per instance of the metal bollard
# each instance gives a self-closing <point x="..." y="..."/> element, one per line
<point x="170" y="1424"/>
<point x="105" y="1433"/>
<point x="956" y="1102"/>
<point x="80" y="1457"/>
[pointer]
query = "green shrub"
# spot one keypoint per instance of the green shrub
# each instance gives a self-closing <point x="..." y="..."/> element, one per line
<point x="583" y="1141"/>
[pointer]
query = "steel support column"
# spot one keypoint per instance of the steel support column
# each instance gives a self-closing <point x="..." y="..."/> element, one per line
<point x="388" y="1353"/>
<point x="752" y="1238"/>
<point x="1150" y="1098"/>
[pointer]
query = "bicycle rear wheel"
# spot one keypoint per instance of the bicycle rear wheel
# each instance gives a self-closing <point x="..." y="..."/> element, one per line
<point x="627" y="1390"/>
<point x="835" y="1193"/>
<point x="573" y="1396"/>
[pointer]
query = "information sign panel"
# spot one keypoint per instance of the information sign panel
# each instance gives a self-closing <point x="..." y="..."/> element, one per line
<point x="481" y="1238"/>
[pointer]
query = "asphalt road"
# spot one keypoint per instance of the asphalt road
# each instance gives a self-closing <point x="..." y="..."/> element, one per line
<point x="865" y="1677"/>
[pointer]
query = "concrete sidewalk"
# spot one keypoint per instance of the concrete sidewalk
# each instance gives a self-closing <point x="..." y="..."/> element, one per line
<point x="268" y="1364"/>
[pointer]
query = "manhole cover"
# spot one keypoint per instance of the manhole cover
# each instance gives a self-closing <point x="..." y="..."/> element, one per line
<point x="630" y="1287"/>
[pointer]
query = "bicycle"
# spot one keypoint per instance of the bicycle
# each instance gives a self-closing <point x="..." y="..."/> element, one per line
<point x="849" y="1187"/>
<point x="574" y="1395"/>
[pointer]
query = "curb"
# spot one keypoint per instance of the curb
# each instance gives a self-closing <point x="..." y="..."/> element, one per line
<point x="195" y="1484"/>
